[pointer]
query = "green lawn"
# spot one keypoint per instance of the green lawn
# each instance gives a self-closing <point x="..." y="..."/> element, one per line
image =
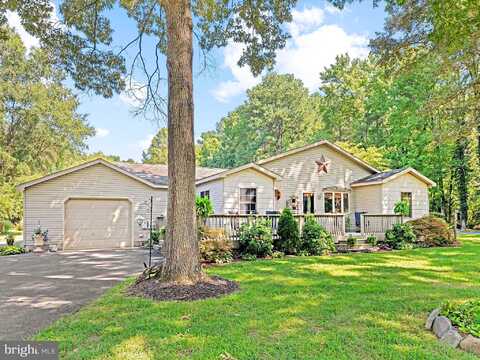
<point x="359" y="306"/>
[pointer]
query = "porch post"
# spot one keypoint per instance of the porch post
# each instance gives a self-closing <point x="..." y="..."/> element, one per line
<point x="362" y="224"/>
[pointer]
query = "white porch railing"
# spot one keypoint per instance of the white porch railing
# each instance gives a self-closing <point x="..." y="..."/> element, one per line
<point x="372" y="224"/>
<point x="333" y="223"/>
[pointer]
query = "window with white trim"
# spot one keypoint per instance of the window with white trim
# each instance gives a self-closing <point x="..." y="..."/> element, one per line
<point x="248" y="200"/>
<point x="205" y="193"/>
<point x="336" y="202"/>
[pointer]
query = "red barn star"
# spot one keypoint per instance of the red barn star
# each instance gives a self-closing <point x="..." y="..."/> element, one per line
<point x="323" y="165"/>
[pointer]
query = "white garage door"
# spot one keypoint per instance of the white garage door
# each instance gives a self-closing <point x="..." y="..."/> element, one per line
<point x="97" y="224"/>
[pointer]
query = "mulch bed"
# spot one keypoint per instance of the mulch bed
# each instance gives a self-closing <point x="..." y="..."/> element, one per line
<point x="209" y="287"/>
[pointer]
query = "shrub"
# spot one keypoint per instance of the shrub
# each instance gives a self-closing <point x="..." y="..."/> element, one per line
<point x="288" y="235"/>
<point x="203" y="207"/>
<point x="255" y="238"/>
<point x="249" y="257"/>
<point x="315" y="239"/>
<point x="215" y="247"/>
<point x="10" y="239"/>
<point x="278" y="255"/>
<point x="372" y="240"/>
<point x="11" y="250"/>
<point x="400" y="237"/>
<point x="432" y="231"/>
<point x="465" y="316"/>
<point x="351" y="241"/>
<point x="402" y="208"/>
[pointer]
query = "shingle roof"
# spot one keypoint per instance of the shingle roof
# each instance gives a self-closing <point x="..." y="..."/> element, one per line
<point x="158" y="174"/>
<point x="378" y="177"/>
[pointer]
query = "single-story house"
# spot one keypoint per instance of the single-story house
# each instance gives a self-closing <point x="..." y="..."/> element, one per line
<point x="100" y="204"/>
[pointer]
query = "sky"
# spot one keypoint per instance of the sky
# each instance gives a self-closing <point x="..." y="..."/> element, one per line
<point x="319" y="32"/>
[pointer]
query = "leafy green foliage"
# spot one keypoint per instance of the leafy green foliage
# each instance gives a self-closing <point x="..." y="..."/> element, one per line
<point x="215" y="247"/>
<point x="465" y="316"/>
<point x="11" y="250"/>
<point x="432" y="231"/>
<point x="255" y="238"/>
<point x="316" y="240"/>
<point x="288" y="234"/>
<point x="269" y="122"/>
<point x="372" y="240"/>
<point x="351" y="241"/>
<point x="401" y="236"/>
<point x="402" y="208"/>
<point x="204" y="207"/>
<point x="157" y="152"/>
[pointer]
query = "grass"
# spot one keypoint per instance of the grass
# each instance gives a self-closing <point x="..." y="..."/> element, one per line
<point x="358" y="306"/>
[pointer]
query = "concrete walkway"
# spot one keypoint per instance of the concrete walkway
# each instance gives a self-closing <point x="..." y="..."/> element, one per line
<point x="35" y="290"/>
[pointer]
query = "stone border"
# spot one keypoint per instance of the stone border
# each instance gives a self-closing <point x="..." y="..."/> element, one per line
<point x="448" y="334"/>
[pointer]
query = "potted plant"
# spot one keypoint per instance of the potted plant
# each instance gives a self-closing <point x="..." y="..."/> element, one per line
<point x="40" y="238"/>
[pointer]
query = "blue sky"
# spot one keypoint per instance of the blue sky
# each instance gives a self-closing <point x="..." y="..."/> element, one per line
<point x="319" y="33"/>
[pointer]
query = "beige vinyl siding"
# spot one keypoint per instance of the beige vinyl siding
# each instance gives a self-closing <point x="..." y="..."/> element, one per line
<point x="44" y="202"/>
<point x="248" y="179"/>
<point x="216" y="194"/>
<point x="299" y="174"/>
<point x="406" y="183"/>
<point x="368" y="199"/>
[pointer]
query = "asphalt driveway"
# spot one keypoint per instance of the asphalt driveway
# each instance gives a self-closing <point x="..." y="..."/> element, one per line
<point x="35" y="290"/>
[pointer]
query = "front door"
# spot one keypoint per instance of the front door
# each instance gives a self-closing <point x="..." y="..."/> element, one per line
<point x="308" y="203"/>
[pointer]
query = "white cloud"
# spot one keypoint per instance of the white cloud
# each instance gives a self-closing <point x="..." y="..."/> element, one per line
<point x="135" y="93"/>
<point x="28" y="40"/>
<point x="101" y="133"/>
<point x="312" y="47"/>
<point x="308" y="54"/>
<point x="329" y="8"/>
<point x="145" y="143"/>
<point x="242" y="75"/>
<point x="305" y="20"/>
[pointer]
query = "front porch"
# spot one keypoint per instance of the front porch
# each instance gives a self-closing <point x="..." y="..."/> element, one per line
<point x="339" y="225"/>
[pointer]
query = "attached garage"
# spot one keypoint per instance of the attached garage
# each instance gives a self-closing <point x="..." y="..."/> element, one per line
<point x="97" y="224"/>
<point x="97" y="204"/>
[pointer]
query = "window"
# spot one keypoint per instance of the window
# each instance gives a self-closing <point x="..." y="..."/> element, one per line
<point x="328" y="197"/>
<point x="407" y="197"/>
<point x="248" y="201"/>
<point x="336" y="202"/>
<point x="205" y="193"/>
<point x="346" y="204"/>
<point x="308" y="203"/>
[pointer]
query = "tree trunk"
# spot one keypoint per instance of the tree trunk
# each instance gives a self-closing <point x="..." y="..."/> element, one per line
<point x="461" y="161"/>
<point x="181" y="249"/>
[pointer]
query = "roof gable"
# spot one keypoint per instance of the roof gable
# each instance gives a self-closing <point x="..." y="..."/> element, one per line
<point x="225" y="173"/>
<point x="82" y="166"/>
<point x="336" y="148"/>
<point x="386" y="176"/>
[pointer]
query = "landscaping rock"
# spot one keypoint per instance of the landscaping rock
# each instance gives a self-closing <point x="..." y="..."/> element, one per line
<point x="452" y="338"/>
<point x="441" y="325"/>
<point x="471" y="344"/>
<point x="431" y="318"/>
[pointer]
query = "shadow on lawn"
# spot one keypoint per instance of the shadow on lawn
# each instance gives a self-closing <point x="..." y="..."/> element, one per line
<point x="362" y="306"/>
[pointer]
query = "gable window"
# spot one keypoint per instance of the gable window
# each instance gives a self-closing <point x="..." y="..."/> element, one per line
<point x="308" y="203"/>
<point x="407" y="197"/>
<point x="205" y="194"/>
<point x="336" y="202"/>
<point x="248" y="201"/>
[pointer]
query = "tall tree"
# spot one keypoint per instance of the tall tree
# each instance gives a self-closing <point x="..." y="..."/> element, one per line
<point x="157" y="152"/>
<point x="278" y="114"/>
<point x="83" y="46"/>
<point x="40" y="127"/>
